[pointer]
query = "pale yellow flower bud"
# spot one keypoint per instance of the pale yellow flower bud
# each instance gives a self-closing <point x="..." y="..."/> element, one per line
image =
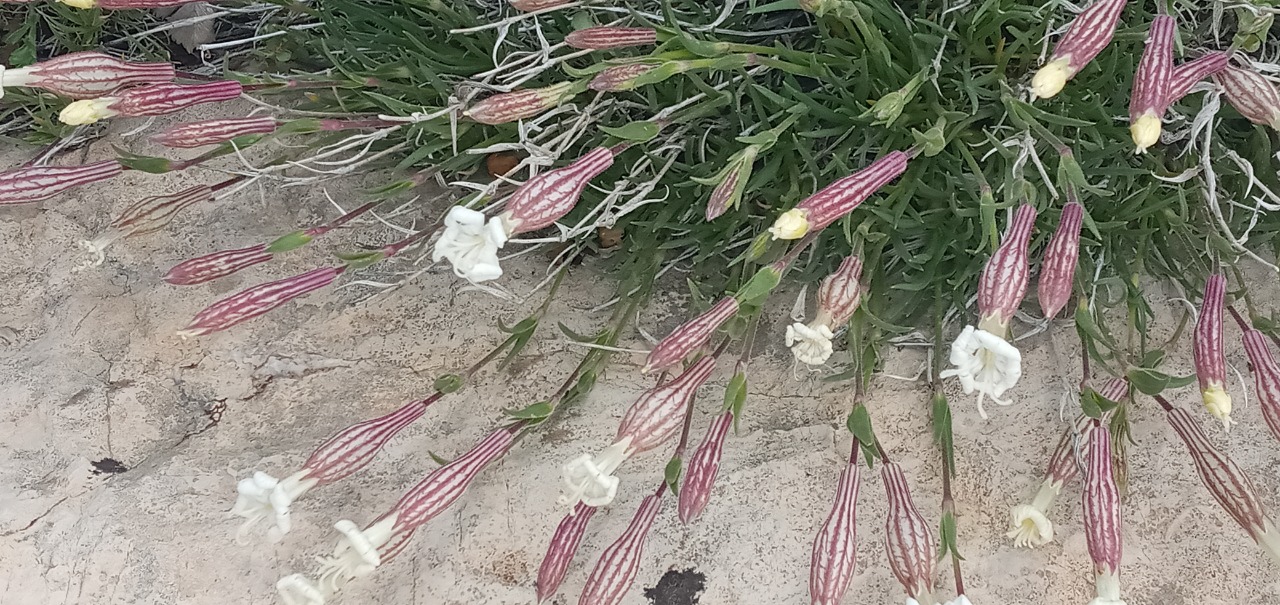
<point x="1218" y="402"/>
<point x="1051" y="78"/>
<point x="1145" y="131"/>
<point x="87" y="111"/>
<point x="80" y="3"/>
<point x="793" y="224"/>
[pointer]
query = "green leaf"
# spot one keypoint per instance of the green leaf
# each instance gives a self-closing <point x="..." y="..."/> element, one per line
<point x="448" y="383"/>
<point x="1090" y="404"/>
<point x="735" y="397"/>
<point x="1148" y="381"/>
<point x="942" y="430"/>
<point x="671" y="474"/>
<point x="535" y="412"/>
<point x="859" y="423"/>
<point x="641" y="132"/>
<point x="438" y="459"/>
<point x="292" y="241"/>
<point x="947" y="534"/>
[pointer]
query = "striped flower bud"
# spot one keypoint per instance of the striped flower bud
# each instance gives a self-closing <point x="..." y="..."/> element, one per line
<point x="1192" y="72"/>
<point x="1102" y="516"/>
<point x="616" y="570"/>
<point x="535" y="5"/>
<point x="209" y="267"/>
<point x="835" y="549"/>
<point x="908" y="540"/>
<point x="1058" y="268"/>
<point x="1207" y="350"/>
<point x="1151" y="83"/>
<point x="261" y="496"/>
<point x="620" y="77"/>
<point x="731" y="183"/>
<point x="84" y="75"/>
<point x="703" y="467"/>
<point x="146" y="215"/>
<point x="564" y="545"/>
<point x="838" y="298"/>
<point x="690" y="336"/>
<point x="839" y="198"/>
<point x="25" y="185"/>
<point x="439" y="490"/>
<point x="1090" y="32"/>
<point x="1004" y="279"/>
<point x="546" y="198"/>
<point x="213" y="132"/>
<point x="150" y="100"/>
<point x="1266" y="378"/>
<point x="125" y="4"/>
<point x="1226" y="481"/>
<point x="252" y="302"/>
<point x="511" y="106"/>
<point x="603" y="38"/>
<point x="1252" y="94"/>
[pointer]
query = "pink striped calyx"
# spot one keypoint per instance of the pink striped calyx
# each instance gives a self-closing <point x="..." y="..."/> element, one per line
<point x="604" y="38"/>
<point x="564" y="545"/>
<point x="1004" y="279"/>
<point x="731" y="182"/>
<point x="518" y="105"/>
<point x="1266" y="378"/>
<point x="658" y="414"/>
<point x="1192" y="72"/>
<point x="149" y="100"/>
<point x="839" y="198"/>
<point x="1207" y="350"/>
<point x="1102" y="518"/>
<point x="1151" y="83"/>
<point x="439" y="490"/>
<point x="620" y="77"/>
<point x="146" y="215"/>
<point x="616" y="570"/>
<point x="840" y="293"/>
<point x="546" y="198"/>
<point x="1252" y="94"/>
<point x="689" y="336"/>
<point x="209" y="267"/>
<point x="703" y="466"/>
<point x="1090" y="32"/>
<point x="26" y="185"/>
<point x="1058" y="269"/>
<point x="908" y="539"/>
<point x="213" y="132"/>
<point x="258" y="300"/>
<point x="84" y="75"/>
<point x="835" y="547"/>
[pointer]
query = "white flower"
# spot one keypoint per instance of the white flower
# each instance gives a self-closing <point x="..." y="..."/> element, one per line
<point x="357" y="552"/>
<point x="590" y="479"/>
<point x="296" y="589"/>
<point x="264" y="497"/>
<point x="960" y="600"/>
<point x="810" y="344"/>
<point x="471" y="244"/>
<point x="1031" y="527"/>
<point x="985" y="363"/>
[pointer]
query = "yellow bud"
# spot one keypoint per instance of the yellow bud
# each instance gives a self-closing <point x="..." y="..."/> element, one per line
<point x="1051" y="78"/>
<point x="80" y="3"/>
<point x="793" y="224"/>
<point x="1145" y="131"/>
<point x="87" y="111"/>
<point x="1218" y="402"/>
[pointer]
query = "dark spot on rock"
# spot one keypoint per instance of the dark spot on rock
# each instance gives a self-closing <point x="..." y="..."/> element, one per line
<point x="109" y="466"/>
<point x="677" y="587"/>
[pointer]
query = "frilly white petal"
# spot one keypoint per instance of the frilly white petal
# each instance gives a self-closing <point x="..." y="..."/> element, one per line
<point x="471" y="244"/>
<point x="356" y="554"/>
<point x="1031" y="528"/>
<point x="984" y="363"/>
<point x="297" y="589"/>
<point x="262" y="496"/>
<point x="810" y="344"/>
<point x="590" y="479"/>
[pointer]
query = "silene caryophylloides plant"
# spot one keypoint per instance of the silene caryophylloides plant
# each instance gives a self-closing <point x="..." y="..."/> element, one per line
<point x="84" y="75"/>
<point x="1088" y="35"/>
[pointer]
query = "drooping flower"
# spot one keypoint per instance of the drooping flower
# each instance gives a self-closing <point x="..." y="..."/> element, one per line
<point x="1192" y="72"/>
<point x="603" y="38"/>
<point x="518" y="105"/>
<point x="257" y="300"/>
<point x="984" y="363"/>
<point x="614" y="573"/>
<point x="564" y="545"/>
<point x="1102" y="517"/>
<point x="589" y="479"/>
<point x="1151" y="83"/>
<point x="839" y="198"/>
<point x="32" y="184"/>
<point x="838" y="298"/>
<point x="263" y="497"/>
<point x="212" y="132"/>
<point x="689" y="336"/>
<point x="83" y="75"/>
<point x="1266" y="378"/>
<point x="1089" y="33"/>
<point x="835" y="548"/>
<point x="1252" y="94"/>
<point x="908" y="539"/>
<point x="1207" y="349"/>
<point x="359" y="551"/>
<point x="471" y="244"/>
<point x="1058" y="269"/>
<point x="703" y="467"/>
<point x="149" y="100"/>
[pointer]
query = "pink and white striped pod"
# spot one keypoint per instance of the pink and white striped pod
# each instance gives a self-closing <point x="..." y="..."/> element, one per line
<point x="518" y="105"/>
<point x="731" y="187"/>
<point x="529" y="6"/>
<point x="209" y="267"/>
<point x="703" y="467"/>
<point x="1151" y="83"/>
<point x="160" y="99"/>
<point x="213" y="132"/>
<point x="835" y="549"/>
<point x="1224" y="478"/>
<point x="439" y="490"/>
<point x="843" y="196"/>
<point x="604" y="38"/>
<point x="1004" y="280"/>
<point x="1207" y="350"/>
<point x="620" y="77"/>
<point x="252" y="302"/>
<point x="616" y="570"/>
<point x="563" y="547"/>
<point x="658" y="414"/>
<point x="546" y="198"/>
<point x="140" y="4"/>
<point x="354" y="447"/>
<point x="1188" y="74"/>
<point x="689" y="336"/>
<point x="1252" y="94"/>
<point x="908" y="540"/>
<point x="84" y="75"/>
<point x="1058" y="269"/>
<point x="1101" y="497"/>
<point x="26" y="185"/>
<point x="1090" y="32"/>
<point x="150" y="214"/>
<point x="840" y="293"/>
<point x="1266" y="378"/>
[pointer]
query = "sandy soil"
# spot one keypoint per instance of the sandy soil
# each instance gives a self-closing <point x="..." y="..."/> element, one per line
<point x="123" y="443"/>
